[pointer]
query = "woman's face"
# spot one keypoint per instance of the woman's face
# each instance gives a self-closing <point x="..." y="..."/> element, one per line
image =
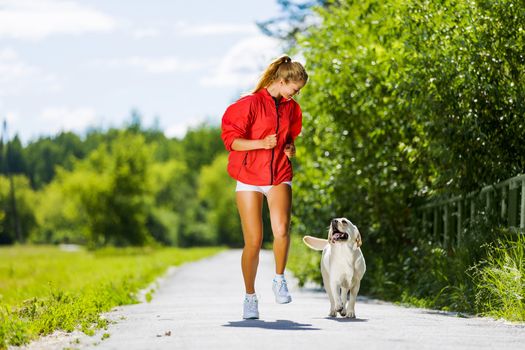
<point x="290" y="89"/>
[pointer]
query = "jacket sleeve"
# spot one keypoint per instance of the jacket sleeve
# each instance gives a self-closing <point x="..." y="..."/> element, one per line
<point x="297" y="122"/>
<point x="235" y="121"/>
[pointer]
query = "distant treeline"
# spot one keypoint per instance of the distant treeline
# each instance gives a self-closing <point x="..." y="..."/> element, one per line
<point x="127" y="186"/>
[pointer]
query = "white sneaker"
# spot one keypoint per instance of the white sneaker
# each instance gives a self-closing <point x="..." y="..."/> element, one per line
<point x="280" y="289"/>
<point x="251" y="308"/>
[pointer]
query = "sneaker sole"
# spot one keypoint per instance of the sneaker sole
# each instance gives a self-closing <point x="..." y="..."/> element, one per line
<point x="251" y="318"/>
<point x="283" y="301"/>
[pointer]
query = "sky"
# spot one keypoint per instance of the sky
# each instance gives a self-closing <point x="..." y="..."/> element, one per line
<point x="70" y="65"/>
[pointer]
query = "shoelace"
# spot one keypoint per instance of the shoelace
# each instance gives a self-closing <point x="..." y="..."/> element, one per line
<point x="252" y="304"/>
<point x="282" y="286"/>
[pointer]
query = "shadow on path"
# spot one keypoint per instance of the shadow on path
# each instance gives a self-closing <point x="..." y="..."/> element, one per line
<point x="346" y="319"/>
<point x="278" y="324"/>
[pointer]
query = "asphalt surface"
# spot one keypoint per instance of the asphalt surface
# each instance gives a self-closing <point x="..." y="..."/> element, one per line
<point x="199" y="306"/>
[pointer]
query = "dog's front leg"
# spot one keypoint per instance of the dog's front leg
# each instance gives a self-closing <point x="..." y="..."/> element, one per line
<point x="344" y="298"/>
<point x="350" y="309"/>
<point x="334" y="286"/>
<point x="328" y="288"/>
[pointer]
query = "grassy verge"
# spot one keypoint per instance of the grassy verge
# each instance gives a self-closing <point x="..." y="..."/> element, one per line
<point x="500" y="280"/>
<point x="43" y="289"/>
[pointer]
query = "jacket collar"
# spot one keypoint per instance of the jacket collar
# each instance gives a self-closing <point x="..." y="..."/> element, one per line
<point x="264" y="92"/>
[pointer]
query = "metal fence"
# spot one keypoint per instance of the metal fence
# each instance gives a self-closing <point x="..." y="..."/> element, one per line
<point x="447" y="218"/>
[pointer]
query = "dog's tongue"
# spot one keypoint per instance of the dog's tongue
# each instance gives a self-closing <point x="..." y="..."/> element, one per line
<point x="339" y="235"/>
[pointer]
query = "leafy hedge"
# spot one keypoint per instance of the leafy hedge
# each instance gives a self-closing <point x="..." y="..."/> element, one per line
<point x="408" y="99"/>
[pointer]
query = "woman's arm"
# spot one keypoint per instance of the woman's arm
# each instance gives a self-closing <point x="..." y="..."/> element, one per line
<point x="268" y="142"/>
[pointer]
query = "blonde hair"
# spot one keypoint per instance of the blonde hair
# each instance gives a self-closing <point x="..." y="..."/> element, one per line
<point x="282" y="68"/>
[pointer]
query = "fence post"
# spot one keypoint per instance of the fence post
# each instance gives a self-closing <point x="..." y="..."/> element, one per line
<point x="487" y="202"/>
<point x="504" y="198"/>
<point x="444" y="214"/>
<point x="512" y="209"/>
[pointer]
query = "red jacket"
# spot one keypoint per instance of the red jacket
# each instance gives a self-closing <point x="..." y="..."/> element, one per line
<point x="254" y="117"/>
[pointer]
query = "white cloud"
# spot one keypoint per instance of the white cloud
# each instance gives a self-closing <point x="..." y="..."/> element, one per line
<point x="29" y="19"/>
<point x="244" y="63"/>
<point x="13" y="120"/>
<point x="154" y="65"/>
<point x="17" y="77"/>
<point x="12" y="117"/>
<point x="11" y="67"/>
<point x="66" y="118"/>
<point x="145" y="33"/>
<point x="163" y="64"/>
<point x="186" y="29"/>
<point x="179" y="129"/>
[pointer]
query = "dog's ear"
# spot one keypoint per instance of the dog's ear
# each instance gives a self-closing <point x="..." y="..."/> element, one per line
<point x="358" y="241"/>
<point x="315" y="243"/>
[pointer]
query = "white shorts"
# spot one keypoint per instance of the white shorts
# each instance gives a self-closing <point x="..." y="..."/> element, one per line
<point x="263" y="189"/>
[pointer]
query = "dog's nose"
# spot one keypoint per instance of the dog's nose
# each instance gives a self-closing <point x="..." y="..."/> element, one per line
<point x="334" y="222"/>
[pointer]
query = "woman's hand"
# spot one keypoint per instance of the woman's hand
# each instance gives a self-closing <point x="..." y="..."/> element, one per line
<point x="269" y="141"/>
<point x="289" y="150"/>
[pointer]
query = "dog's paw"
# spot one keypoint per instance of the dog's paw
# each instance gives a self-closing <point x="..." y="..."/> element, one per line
<point x="332" y="313"/>
<point x="339" y="308"/>
<point x="350" y="314"/>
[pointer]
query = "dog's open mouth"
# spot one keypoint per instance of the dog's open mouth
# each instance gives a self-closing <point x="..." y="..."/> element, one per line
<point x="339" y="236"/>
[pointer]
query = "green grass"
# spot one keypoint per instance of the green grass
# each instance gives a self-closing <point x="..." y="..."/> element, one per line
<point x="43" y="288"/>
<point x="500" y="280"/>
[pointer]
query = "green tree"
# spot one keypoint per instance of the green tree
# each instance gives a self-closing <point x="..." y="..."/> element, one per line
<point x="172" y="193"/>
<point x="47" y="153"/>
<point x="128" y="199"/>
<point x="468" y="74"/>
<point x="200" y="146"/>
<point x="24" y="221"/>
<point x="16" y="163"/>
<point x="358" y="153"/>
<point x="111" y="190"/>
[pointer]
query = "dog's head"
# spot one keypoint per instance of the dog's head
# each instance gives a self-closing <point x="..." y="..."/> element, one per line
<point x="342" y="230"/>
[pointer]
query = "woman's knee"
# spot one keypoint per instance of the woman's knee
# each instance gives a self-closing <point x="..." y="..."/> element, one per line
<point x="280" y="231"/>
<point x="253" y="246"/>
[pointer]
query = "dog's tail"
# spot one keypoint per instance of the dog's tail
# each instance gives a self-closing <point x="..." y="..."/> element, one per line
<point x="315" y="243"/>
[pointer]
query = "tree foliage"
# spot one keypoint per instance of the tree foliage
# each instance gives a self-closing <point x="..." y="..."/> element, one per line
<point x="408" y="100"/>
<point x="406" y="97"/>
<point x="128" y="186"/>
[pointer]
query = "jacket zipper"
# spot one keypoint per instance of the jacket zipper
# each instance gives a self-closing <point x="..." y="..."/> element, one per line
<point x="273" y="149"/>
<point x="243" y="163"/>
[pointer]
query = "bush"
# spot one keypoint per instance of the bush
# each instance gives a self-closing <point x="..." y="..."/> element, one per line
<point x="407" y="100"/>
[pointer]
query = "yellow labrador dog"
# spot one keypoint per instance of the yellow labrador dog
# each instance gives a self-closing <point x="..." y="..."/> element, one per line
<point x="342" y="265"/>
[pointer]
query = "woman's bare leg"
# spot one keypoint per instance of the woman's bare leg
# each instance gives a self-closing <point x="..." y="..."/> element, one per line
<point x="280" y="206"/>
<point x="249" y="205"/>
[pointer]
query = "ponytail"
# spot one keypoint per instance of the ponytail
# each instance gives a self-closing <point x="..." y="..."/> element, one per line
<point x="282" y="68"/>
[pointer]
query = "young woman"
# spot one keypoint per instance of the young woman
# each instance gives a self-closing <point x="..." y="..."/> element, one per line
<point x="259" y="131"/>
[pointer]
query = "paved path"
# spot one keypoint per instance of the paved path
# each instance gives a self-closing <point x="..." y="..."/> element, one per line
<point x="199" y="306"/>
